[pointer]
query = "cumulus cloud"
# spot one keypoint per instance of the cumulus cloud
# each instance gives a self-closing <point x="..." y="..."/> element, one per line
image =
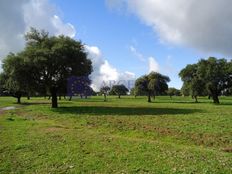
<point x="153" y="65"/>
<point x="102" y="70"/>
<point x="202" y="25"/>
<point x="104" y="73"/>
<point x="43" y="15"/>
<point x="17" y="17"/>
<point x="108" y="72"/>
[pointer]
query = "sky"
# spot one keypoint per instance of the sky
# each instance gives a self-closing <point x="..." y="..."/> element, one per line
<point x="126" y="38"/>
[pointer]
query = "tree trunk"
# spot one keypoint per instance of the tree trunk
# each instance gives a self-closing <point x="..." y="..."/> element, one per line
<point x="119" y="96"/>
<point x="70" y="98"/>
<point x="149" y="98"/>
<point x="196" y="101"/>
<point x="215" y="99"/>
<point x="60" y="97"/>
<point x="54" y="97"/>
<point x="214" y="95"/>
<point x="28" y="97"/>
<point x="104" y="97"/>
<point x="17" y="95"/>
<point x="19" y="100"/>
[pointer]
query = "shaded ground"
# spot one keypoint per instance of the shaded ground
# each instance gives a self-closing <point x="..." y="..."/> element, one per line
<point x="130" y="111"/>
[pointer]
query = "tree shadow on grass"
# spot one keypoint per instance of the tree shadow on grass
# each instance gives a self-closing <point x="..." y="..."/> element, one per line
<point x="34" y="103"/>
<point x="222" y="103"/>
<point x="39" y="103"/>
<point x="130" y="111"/>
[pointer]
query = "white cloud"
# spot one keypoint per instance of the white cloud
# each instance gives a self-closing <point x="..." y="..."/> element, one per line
<point x="128" y="75"/>
<point x="43" y="15"/>
<point x="108" y="72"/>
<point x="104" y="73"/>
<point x="62" y="28"/>
<point x="17" y="17"/>
<point x="137" y="54"/>
<point x="153" y="65"/>
<point x="202" y="25"/>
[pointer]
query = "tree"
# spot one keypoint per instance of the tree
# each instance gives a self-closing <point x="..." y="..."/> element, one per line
<point x="197" y="88"/>
<point x="173" y="91"/>
<point x="141" y="84"/>
<point x="177" y="92"/>
<point x="227" y="92"/>
<point x="133" y="92"/>
<point x="193" y="83"/>
<point x="185" y="89"/>
<point x="50" y="61"/>
<point x="2" y="84"/>
<point x="137" y="91"/>
<point x="119" y="90"/>
<point x="152" y="84"/>
<point x="56" y="59"/>
<point x="17" y="75"/>
<point x="111" y="92"/>
<point x="105" y="90"/>
<point x="217" y="75"/>
<point x="211" y="76"/>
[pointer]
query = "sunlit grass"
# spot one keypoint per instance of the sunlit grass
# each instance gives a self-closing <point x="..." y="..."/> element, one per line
<point x="125" y="135"/>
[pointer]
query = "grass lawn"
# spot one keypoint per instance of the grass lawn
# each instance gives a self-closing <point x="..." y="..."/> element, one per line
<point x="125" y="135"/>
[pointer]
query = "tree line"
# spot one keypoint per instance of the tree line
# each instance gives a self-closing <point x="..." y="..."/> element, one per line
<point x="46" y="62"/>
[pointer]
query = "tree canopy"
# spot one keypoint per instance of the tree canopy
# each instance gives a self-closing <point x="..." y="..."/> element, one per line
<point x="105" y="90"/>
<point x="119" y="90"/>
<point x="152" y="84"/>
<point x="46" y="62"/>
<point x="211" y="76"/>
<point x="17" y="75"/>
<point x="193" y="84"/>
<point x="173" y="92"/>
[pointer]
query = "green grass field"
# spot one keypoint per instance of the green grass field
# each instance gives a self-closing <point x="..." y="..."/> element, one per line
<point x="125" y="135"/>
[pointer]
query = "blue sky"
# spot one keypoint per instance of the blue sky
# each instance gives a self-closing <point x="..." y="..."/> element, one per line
<point x="126" y="38"/>
<point x="114" y="32"/>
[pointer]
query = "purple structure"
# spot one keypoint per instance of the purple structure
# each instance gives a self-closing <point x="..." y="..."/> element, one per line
<point x="79" y="86"/>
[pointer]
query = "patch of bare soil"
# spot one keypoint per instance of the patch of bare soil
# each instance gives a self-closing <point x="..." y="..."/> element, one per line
<point x="55" y="129"/>
<point x="227" y="149"/>
<point x="2" y="110"/>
